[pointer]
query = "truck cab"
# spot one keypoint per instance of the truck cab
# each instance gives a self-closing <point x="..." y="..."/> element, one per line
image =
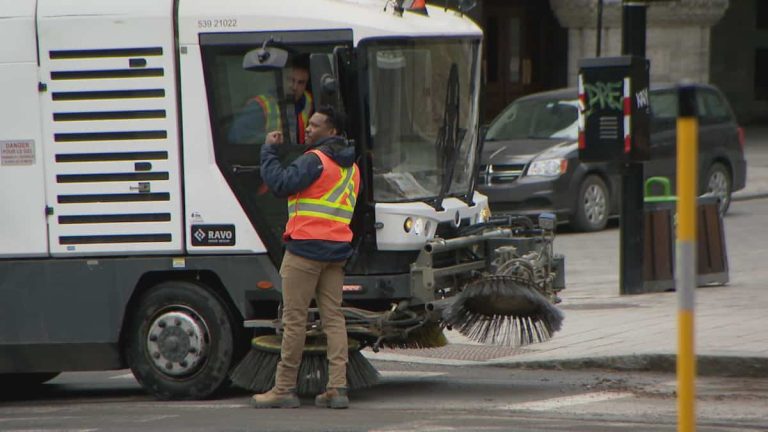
<point x="134" y="204"/>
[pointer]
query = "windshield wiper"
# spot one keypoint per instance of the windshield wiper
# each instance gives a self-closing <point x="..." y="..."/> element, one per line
<point x="448" y="142"/>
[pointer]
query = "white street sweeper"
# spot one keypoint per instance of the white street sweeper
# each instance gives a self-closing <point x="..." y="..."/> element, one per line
<point x="134" y="227"/>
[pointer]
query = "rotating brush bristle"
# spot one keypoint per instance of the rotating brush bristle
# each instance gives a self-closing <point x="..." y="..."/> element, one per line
<point x="256" y="372"/>
<point x="503" y="310"/>
<point x="429" y="335"/>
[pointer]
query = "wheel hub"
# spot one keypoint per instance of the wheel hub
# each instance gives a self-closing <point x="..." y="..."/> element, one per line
<point x="176" y="342"/>
<point x="718" y="186"/>
<point x="594" y="204"/>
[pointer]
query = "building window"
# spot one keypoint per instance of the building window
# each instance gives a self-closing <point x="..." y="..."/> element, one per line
<point x="761" y="74"/>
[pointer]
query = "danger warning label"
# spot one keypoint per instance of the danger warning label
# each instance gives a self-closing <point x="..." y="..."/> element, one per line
<point x="16" y="153"/>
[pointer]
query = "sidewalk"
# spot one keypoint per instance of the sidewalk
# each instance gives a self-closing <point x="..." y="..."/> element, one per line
<point x="605" y="330"/>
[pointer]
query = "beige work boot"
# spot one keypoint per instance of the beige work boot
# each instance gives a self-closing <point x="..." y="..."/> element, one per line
<point x="275" y="398"/>
<point x="334" y="397"/>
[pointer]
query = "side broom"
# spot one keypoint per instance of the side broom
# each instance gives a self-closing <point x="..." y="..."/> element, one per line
<point x="503" y="310"/>
<point x="256" y="372"/>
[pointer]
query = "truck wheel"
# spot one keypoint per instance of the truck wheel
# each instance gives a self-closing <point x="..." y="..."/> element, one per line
<point x="180" y="341"/>
<point x="591" y="205"/>
<point x="719" y="185"/>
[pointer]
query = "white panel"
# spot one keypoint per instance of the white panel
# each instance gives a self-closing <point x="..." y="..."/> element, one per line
<point x="115" y="208"/>
<point x="23" y="228"/>
<point x="113" y="8"/>
<point x="207" y="194"/>
<point x="369" y="20"/>
<point x="104" y="147"/>
<point x="392" y="235"/>
<point x="93" y="39"/>
<point x="17" y="31"/>
<point x="116" y="125"/>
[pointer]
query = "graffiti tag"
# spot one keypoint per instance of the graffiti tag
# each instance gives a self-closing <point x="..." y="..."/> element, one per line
<point x="601" y="95"/>
<point x="641" y="98"/>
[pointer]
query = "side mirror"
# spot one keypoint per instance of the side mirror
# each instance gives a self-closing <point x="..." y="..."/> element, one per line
<point x="265" y="58"/>
<point x="325" y="84"/>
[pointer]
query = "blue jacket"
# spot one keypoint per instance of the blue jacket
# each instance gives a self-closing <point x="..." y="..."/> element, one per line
<point x="297" y="176"/>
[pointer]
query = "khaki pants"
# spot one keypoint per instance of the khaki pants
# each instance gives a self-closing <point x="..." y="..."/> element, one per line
<point x="303" y="279"/>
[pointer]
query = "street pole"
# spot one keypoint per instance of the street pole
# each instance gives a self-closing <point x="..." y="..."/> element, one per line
<point x="685" y="260"/>
<point x="599" y="41"/>
<point x="631" y="222"/>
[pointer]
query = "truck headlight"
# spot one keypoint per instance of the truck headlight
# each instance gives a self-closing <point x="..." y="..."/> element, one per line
<point x="484" y="216"/>
<point x="548" y="167"/>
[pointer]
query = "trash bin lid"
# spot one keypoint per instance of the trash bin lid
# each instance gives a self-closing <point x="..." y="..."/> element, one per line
<point x="666" y="196"/>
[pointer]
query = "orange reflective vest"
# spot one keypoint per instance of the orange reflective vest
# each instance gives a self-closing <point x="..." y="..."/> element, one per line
<point x="324" y="210"/>
<point x="271" y="110"/>
<point x="303" y="116"/>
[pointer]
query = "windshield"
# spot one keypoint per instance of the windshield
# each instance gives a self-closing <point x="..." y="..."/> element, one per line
<point x="423" y="97"/>
<point x="537" y="118"/>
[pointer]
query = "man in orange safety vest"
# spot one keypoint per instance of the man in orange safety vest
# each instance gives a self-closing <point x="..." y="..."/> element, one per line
<point x="322" y="187"/>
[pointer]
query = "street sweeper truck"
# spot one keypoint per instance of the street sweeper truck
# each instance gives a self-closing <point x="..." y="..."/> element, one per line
<point x="135" y="230"/>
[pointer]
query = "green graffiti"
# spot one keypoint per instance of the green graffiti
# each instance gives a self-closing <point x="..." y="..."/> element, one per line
<point x="601" y="95"/>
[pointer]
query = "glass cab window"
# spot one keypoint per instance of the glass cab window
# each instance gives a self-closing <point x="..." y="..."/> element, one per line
<point x="423" y="117"/>
<point x="246" y="104"/>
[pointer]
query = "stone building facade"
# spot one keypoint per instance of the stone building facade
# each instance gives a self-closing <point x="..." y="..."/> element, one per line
<point x="534" y="45"/>
<point x="713" y="41"/>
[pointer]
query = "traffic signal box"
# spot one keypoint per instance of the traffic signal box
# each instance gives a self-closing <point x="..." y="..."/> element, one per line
<point x="614" y="109"/>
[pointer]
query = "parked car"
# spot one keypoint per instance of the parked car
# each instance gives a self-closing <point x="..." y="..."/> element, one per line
<point x="530" y="162"/>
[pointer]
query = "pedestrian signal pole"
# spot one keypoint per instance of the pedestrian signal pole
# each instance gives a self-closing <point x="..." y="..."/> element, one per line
<point x="685" y="261"/>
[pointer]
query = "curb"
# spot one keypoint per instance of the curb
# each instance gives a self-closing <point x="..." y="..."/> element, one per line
<point x="749" y="196"/>
<point x="706" y="365"/>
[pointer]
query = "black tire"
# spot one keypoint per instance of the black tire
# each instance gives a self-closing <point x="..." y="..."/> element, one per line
<point x="592" y="205"/>
<point x="180" y="342"/>
<point x="719" y="183"/>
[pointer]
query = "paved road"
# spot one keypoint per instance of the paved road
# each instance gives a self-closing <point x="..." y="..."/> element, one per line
<point x="410" y="398"/>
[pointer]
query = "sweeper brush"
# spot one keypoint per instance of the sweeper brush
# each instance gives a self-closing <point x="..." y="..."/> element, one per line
<point x="503" y="310"/>
<point x="429" y="335"/>
<point x="256" y="372"/>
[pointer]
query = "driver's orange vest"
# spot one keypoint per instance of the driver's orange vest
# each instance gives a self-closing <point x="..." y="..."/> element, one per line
<point x="271" y="110"/>
<point x="324" y="210"/>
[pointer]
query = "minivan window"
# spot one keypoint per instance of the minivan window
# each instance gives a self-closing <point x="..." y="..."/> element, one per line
<point x="537" y="118"/>
<point x="711" y="107"/>
<point x="664" y="105"/>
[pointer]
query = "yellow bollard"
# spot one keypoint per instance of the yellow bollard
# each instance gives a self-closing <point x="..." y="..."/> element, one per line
<point x="685" y="261"/>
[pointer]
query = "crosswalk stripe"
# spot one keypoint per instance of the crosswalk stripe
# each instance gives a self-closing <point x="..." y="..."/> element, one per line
<point x="566" y="401"/>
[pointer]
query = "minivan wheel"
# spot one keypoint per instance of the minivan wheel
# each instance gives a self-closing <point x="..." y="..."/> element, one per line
<point x="719" y="185"/>
<point x="591" y="205"/>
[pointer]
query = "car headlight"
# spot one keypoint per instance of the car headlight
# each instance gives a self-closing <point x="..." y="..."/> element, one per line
<point x="548" y="167"/>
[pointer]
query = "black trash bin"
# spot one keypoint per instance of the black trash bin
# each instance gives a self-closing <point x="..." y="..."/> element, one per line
<point x="659" y="239"/>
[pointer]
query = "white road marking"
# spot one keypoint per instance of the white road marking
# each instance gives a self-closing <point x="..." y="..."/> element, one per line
<point x="214" y="406"/>
<point x="57" y="418"/>
<point x="50" y="430"/>
<point x="422" y="360"/>
<point x="124" y="376"/>
<point x="566" y="401"/>
<point x="148" y="419"/>
<point x="410" y="374"/>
